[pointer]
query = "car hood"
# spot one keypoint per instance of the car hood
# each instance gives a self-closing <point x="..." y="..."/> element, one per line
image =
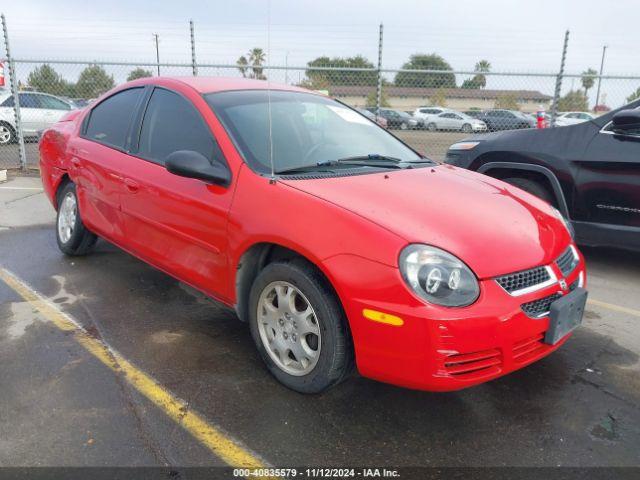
<point x="493" y="227"/>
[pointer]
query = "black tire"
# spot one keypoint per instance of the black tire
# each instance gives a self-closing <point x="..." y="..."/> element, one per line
<point x="432" y="127"/>
<point x="532" y="187"/>
<point x="335" y="360"/>
<point x="81" y="240"/>
<point x="466" y="128"/>
<point x="6" y="128"/>
<point x="404" y="126"/>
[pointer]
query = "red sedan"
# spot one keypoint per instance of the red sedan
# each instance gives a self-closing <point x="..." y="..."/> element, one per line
<point x="338" y="243"/>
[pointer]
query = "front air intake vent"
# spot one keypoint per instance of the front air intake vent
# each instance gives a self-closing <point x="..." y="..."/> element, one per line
<point x="567" y="262"/>
<point x="476" y="364"/>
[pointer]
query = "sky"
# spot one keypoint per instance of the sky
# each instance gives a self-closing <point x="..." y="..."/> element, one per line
<point x="515" y="36"/>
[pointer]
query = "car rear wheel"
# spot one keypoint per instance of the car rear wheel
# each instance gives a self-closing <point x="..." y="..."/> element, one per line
<point x="72" y="236"/>
<point x="299" y="327"/>
<point x="7" y="134"/>
<point x="466" y="128"/>
<point x="532" y="187"/>
<point x="432" y="127"/>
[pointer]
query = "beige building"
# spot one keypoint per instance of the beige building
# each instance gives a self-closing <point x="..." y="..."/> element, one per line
<point x="410" y="98"/>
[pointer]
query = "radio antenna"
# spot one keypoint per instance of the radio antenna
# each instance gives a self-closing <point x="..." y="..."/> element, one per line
<point x="272" y="179"/>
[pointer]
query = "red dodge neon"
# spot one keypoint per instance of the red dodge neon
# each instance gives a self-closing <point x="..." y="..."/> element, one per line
<point x="338" y="243"/>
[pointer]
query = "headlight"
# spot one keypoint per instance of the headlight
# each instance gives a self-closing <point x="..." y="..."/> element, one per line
<point x="463" y="146"/>
<point x="437" y="276"/>
<point x="566" y="222"/>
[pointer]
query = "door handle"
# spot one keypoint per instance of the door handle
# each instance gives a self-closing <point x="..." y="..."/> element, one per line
<point x="131" y="185"/>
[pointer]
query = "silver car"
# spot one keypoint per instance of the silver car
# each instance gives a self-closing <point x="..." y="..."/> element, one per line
<point x="456" y="121"/>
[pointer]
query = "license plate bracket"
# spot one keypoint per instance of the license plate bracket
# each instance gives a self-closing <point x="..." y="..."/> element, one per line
<point x="565" y="315"/>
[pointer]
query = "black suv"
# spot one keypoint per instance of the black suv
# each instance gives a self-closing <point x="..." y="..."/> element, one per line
<point x="589" y="171"/>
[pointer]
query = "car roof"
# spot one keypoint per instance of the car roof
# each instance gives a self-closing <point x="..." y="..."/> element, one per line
<point x="220" y="84"/>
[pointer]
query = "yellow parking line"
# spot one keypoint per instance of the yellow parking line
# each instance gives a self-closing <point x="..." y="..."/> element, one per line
<point x="229" y="450"/>
<point x="615" y="308"/>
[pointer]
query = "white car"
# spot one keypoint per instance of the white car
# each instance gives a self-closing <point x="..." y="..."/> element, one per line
<point x="424" y="114"/>
<point x="38" y="111"/>
<point x="571" y="118"/>
<point x="456" y="121"/>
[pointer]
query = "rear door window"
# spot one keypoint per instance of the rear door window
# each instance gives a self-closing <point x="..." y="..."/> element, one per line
<point x="172" y="123"/>
<point x="110" y="120"/>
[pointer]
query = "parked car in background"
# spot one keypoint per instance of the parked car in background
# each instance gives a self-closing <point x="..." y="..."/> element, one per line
<point x="424" y="114"/>
<point x="473" y="113"/>
<point x="38" y="111"/>
<point x="397" y="119"/>
<point x="589" y="171"/>
<point x="335" y="241"/>
<point x="455" y="121"/>
<point x="506" y="120"/>
<point x="571" y="118"/>
<point x="373" y="117"/>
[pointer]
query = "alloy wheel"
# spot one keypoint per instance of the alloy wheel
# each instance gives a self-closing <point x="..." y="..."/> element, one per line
<point x="289" y="328"/>
<point x="5" y="135"/>
<point x="67" y="217"/>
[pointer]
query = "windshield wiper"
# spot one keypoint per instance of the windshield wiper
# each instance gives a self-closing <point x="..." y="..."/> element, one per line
<point x="371" y="160"/>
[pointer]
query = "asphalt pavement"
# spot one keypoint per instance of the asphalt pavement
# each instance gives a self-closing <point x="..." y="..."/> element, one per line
<point x="148" y="358"/>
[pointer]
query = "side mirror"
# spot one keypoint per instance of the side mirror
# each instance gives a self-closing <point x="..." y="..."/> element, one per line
<point x="626" y="121"/>
<point x="190" y="164"/>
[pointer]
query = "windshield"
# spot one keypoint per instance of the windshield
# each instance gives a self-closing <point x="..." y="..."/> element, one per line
<point x="306" y="129"/>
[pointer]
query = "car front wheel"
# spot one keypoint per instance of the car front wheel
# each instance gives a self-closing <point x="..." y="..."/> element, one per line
<point x="72" y="236"/>
<point x="299" y="327"/>
<point x="466" y="128"/>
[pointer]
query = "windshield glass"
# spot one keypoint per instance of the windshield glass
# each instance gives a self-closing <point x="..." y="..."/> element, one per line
<point x="306" y="129"/>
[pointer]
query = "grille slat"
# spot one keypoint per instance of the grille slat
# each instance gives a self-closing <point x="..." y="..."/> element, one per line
<point x="524" y="279"/>
<point x="469" y="365"/>
<point x="567" y="262"/>
<point x="527" y="349"/>
<point x="540" y="307"/>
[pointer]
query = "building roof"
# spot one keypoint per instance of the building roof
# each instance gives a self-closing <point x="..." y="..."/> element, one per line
<point x="463" y="93"/>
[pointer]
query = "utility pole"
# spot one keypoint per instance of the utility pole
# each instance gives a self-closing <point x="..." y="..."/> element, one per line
<point x="604" y="51"/>
<point x="379" y="85"/>
<point x="556" y="94"/>
<point x="194" y="65"/>
<point x="155" y="38"/>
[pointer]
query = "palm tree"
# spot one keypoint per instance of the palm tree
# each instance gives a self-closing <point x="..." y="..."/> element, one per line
<point x="483" y="66"/>
<point x="257" y="58"/>
<point x="243" y="64"/>
<point x="588" y="80"/>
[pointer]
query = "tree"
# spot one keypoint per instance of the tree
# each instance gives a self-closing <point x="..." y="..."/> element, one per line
<point x="588" y="80"/>
<point x="243" y="65"/>
<point x="250" y="65"/>
<point x="46" y="79"/>
<point x="138" y="73"/>
<point x="439" y="98"/>
<point x="507" y="101"/>
<point x="93" y="82"/>
<point x="372" y="99"/>
<point x="634" y="96"/>
<point x="317" y="76"/>
<point x="479" y="80"/>
<point x="257" y="58"/>
<point x="575" y="100"/>
<point x="419" y="61"/>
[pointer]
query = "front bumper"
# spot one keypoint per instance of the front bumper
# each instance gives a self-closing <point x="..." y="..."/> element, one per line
<point x="438" y="348"/>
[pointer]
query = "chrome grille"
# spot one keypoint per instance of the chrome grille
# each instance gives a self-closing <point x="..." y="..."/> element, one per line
<point x="567" y="262"/>
<point x="539" y="308"/>
<point x="524" y="279"/>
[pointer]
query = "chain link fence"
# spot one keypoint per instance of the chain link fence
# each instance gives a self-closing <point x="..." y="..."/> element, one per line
<point x="428" y="109"/>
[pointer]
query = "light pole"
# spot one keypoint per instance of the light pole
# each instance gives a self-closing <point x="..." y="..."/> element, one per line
<point x="604" y="50"/>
